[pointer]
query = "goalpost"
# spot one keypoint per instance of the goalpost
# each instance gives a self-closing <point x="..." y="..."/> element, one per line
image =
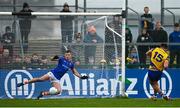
<point x="122" y="14"/>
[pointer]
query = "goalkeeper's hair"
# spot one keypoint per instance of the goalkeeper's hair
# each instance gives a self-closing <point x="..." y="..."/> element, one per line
<point x="68" y="51"/>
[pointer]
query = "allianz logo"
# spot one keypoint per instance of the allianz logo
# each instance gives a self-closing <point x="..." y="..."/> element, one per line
<point x="10" y="84"/>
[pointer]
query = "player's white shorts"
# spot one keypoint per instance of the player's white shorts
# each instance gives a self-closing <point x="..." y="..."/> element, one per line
<point x="52" y="77"/>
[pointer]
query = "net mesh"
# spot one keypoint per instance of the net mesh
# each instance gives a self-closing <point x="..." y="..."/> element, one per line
<point x="89" y="38"/>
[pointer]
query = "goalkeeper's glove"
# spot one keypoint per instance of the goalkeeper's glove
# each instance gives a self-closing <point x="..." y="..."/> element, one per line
<point x="55" y="57"/>
<point x="84" y="77"/>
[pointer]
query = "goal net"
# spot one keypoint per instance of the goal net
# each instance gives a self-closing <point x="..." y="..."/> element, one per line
<point x="95" y="40"/>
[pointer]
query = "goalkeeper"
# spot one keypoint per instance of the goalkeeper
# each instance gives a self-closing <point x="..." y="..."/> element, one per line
<point x="64" y="64"/>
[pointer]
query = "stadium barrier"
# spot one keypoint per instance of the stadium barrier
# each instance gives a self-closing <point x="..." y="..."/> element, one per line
<point x="102" y="83"/>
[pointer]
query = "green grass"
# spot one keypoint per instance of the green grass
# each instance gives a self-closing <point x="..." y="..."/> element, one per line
<point x="89" y="102"/>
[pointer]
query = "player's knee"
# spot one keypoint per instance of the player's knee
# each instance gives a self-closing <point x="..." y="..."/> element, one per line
<point x="40" y="79"/>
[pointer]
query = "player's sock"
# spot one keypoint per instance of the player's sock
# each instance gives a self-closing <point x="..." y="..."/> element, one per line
<point x="155" y="94"/>
<point x="161" y="93"/>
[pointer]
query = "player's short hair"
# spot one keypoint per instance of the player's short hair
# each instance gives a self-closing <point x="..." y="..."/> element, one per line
<point x="164" y="45"/>
<point x="68" y="51"/>
<point x="176" y="25"/>
<point x="65" y="5"/>
<point x="8" y="28"/>
<point x="146" y="7"/>
<point x="25" y="5"/>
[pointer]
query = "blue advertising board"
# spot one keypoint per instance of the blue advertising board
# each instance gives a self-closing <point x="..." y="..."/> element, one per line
<point x="101" y="83"/>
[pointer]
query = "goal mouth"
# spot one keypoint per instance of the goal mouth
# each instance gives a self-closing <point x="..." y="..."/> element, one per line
<point x="101" y="37"/>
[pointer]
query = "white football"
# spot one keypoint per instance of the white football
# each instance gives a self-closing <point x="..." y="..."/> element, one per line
<point x="52" y="90"/>
<point x="125" y="95"/>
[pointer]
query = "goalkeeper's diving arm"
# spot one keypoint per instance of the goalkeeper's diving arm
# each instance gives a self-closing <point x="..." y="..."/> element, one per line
<point x="76" y="73"/>
<point x="55" y="58"/>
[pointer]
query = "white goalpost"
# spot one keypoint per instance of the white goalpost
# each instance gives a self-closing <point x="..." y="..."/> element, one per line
<point x="122" y="14"/>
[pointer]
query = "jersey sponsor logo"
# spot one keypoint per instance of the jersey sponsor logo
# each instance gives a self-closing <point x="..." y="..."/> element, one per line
<point x="66" y="67"/>
<point x="165" y="84"/>
<point x="10" y="84"/>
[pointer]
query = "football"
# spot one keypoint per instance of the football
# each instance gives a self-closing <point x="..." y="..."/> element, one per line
<point x="52" y="90"/>
<point x="125" y="95"/>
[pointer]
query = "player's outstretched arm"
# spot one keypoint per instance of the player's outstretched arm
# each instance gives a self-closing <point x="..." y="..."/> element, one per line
<point x="148" y="53"/>
<point x="56" y="57"/>
<point x="166" y="64"/>
<point x="76" y="73"/>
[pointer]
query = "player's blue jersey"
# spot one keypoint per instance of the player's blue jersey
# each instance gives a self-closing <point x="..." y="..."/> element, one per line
<point x="63" y="66"/>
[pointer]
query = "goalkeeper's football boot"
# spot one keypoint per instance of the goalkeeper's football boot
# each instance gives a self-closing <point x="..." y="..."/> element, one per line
<point x="40" y="95"/>
<point x="166" y="98"/>
<point x="23" y="83"/>
<point x="154" y="98"/>
<point x="20" y="84"/>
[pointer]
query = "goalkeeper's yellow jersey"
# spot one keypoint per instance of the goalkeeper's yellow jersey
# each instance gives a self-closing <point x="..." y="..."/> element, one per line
<point x="158" y="56"/>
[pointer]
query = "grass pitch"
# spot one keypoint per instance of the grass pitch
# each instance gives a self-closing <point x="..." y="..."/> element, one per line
<point x="89" y="102"/>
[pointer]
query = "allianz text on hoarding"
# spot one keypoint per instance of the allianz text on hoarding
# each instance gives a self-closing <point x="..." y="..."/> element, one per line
<point x="100" y="83"/>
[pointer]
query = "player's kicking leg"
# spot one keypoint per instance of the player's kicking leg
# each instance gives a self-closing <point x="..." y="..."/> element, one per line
<point x="157" y="89"/>
<point x="55" y="83"/>
<point x="40" y="79"/>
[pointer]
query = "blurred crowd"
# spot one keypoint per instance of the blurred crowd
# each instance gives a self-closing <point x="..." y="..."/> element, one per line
<point x="28" y="62"/>
<point x="151" y="32"/>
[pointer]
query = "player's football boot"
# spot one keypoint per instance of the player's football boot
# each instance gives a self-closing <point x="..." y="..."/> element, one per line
<point x="40" y="95"/>
<point x="154" y="98"/>
<point x="20" y="84"/>
<point x="166" y="98"/>
<point x="23" y="83"/>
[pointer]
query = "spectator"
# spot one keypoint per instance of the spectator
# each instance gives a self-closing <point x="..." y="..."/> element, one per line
<point x="77" y="49"/>
<point x="174" y="37"/>
<point x="110" y="36"/>
<point x="115" y="60"/>
<point x="0" y="37"/>
<point x="27" y="63"/>
<point x="25" y="23"/>
<point x="5" y="59"/>
<point x="128" y="40"/>
<point x="66" y="25"/>
<point x="8" y="38"/>
<point x="35" y="61"/>
<point x="78" y="38"/>
<point x="132" y="60"/>
<point x="1" y="48"/>
<point x="147" y="20"/>
<point x="90" y="50"/>
<point x="44" y="62"/>
<point x="134" y="56"/>
<point x="142" y="49"/>
<point x="17" y="64"/>
<point x="159" y="35"/>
